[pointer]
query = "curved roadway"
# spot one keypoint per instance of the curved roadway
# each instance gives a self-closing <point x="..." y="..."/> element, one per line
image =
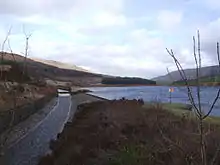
<point x="35" y="144"/>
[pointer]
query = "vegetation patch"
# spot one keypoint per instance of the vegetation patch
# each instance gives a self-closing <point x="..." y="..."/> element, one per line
<point x="13" y="71"/>
<point x="122" y="132"/>
<point x="205" y="81"/>
<point x="127" y="81"/>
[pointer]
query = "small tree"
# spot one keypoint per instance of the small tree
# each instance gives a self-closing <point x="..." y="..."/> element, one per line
<point x="201" y="116"/>
<point x="27" y="37"/>
<point x="2" y="138"/>
<point x="13" y="91"/>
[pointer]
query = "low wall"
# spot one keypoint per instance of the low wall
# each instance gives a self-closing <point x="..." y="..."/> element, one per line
<point x="23" y="112"/>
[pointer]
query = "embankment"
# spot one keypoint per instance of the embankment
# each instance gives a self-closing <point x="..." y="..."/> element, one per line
<point x="12" y="117"/>
<point x="124" y="132"/>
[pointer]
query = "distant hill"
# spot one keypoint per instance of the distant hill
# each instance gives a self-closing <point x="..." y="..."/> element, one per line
<point x="60" y="64"/>
<point x="127" y="81"/>
<point x="209" y="71"/>
<point x="43" y="69"/>
<point x="207" y="81"/>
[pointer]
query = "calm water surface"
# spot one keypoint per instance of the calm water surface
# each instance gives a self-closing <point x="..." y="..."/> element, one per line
<point x="159" y="93"/>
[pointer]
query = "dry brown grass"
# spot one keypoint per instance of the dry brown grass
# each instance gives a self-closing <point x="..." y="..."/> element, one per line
<point x="124" y="133"/>
<point x="21" y="94"/>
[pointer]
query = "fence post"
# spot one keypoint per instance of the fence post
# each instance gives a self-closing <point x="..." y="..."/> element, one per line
<point x="170" y="91"/>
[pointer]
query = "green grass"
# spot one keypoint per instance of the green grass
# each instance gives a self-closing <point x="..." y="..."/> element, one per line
<point x="203" y="80"/>
<point x="213" y="119"/>
<point x="176" y="108"/>
<point x="130" y="155"/>
<point x="180" y="109"/>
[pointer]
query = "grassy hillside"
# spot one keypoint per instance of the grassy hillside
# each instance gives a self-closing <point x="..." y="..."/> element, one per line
<point x="209" y="71"/>
<point x="214" y="80"/>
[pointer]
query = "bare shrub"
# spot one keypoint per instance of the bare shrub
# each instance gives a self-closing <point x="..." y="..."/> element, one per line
<point x="196" y="101"/>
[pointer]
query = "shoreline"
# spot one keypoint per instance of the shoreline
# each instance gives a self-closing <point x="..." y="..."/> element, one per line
<point x="139" y="85"/>
<point x="98" y="97"/>
<point x="120" y="85"/>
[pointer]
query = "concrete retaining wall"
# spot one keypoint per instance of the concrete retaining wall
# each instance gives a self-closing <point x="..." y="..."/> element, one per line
<point x="23" y="112"/>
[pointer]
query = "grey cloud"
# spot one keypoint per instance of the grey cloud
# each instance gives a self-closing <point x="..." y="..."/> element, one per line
<point x="97" y="31"/>
<point x="209" y="37"/>
<point x="106" y="63"/>
<point x="126" y="71"/>
<point x="107" y="66"/>
<point x="24" y="7"/>
<point x="57" y="8"/>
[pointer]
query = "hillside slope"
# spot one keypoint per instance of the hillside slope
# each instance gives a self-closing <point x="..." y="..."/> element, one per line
<point x="47" y="70"/>
<point x="60" y="64"/>
<point x="206" y="81"/>
<point x="209" y="71"/>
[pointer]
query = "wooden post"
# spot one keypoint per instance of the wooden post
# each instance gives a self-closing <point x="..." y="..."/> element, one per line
<point x="170" y="97"/>
<point x="170" y="91"/>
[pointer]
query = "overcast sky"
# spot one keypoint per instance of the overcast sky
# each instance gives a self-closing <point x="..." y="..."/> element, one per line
<point x="117" y="37"/>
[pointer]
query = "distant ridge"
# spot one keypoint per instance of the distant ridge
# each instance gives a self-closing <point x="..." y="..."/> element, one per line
<point x="60" y="65"/>
<point x="209" y="71"/>
<point x="43" y="69"/>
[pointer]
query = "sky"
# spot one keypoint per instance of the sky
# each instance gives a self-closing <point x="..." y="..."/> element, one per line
<point x="115" y="37"/>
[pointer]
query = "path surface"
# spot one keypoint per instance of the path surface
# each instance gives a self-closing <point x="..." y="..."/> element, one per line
<point x="28" y="149"/>
<point x="40" y="128"/>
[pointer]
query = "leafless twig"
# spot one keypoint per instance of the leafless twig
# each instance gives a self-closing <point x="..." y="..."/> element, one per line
<point x="3" y="47"/>
<point x="215" y="155"/>
<point x="198" y="107"/>
<point x="27" y="37"/>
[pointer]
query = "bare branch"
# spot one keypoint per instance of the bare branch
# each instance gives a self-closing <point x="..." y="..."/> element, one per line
<point x="169" y="73"/>
<point x="194" y="52"/>
<point x="3" y="139"/>
<point x="215" y="156"/>
<point x="3" y="46"/>
<point x="199" y="50"/>
<point x="27" y="37"/>
<point x="6" y="38"/>
<point x="218" y="93"/>
<point x="198" y="109"/>
<point x="213" y="104"/>
<point x="218" y="54"/>
<point x="197" y="73"/>
<point x="184" y="78"/>
<point x="188" y="91"/>
<point x="9" y="45"/>
<point x="170" y="141"/>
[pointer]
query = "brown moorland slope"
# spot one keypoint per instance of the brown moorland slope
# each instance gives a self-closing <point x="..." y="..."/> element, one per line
<point x="56" y="71"/>
<point x="125" y="133"/>
<point x="60" y="64"/>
